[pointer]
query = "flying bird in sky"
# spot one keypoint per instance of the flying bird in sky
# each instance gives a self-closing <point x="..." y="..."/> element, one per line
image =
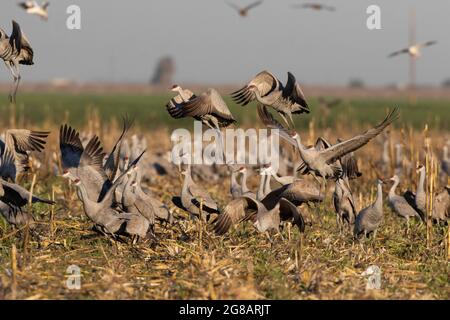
<point x="14" y="50"/>
<point x="314" y="6"/>
<point x="414" y="50"/>
<point x="243" y="11"/>
<point x="32" y="7"/>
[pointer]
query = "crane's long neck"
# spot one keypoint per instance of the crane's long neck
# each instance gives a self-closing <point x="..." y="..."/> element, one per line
<point x="392" y="190"/>
<point x="267" y="185"/>
<point x="421" y="185"/>
<point x="233" y="178"/>
<point x="379" y="201"/>
<point x="446" y="154"/>
<point x="187" y="178"/>
<point x="183" y="95"/>
<point x="300" y="145"/>
<point x="127" y="193"/>
<point x="138" y="179"/>
<point x="260" y="193"/>
<point x="244" y="182"/>
<point x="90" y="207"/>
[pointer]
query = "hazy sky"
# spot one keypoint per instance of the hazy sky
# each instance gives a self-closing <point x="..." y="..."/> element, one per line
<point x="122" y="40"/>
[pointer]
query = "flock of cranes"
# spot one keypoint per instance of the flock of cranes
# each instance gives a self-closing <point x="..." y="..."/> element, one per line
<point x="243" y="11"/>
<point x="110" y="187"/>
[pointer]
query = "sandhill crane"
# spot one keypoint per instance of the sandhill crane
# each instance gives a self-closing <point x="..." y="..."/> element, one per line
<point x="245" y="190"/>
<point x="418" y="200"/>
<point x="243" y="11"/>
<point x="344" y="204"/>
<point x="162" y="211"/>
<point x="14" y="151"/>
<point x="269" y="91"/>
<point x="135" y="198"/>
<point x="235" y="187"/>
<point x="264" y="219"/>
<point x="414" y="50"/>
<point x="370" y="218"/>
<point x="314" y="6"/>
<point x="15" y="216"/>
<point x="445" y="161"/>
<point x="298" y="192"/>
<point x="15" y="50"/>
<point x="87" y="163"/>
<point x="82" y="163"/>
<point x="400" y="205"/>
<point x="111" y="164"/>
<point x="347" y="163"/>
<point x="13" y="198"/>
<point x="17" y="196"/>
<point x="209" y="107"/>
<point x="441" y="207"/>
<point x="133" y="203"/>
<point x="194" y="197"/>
<point x="104" y="215"/>
<point x="32" y="7"/>
<point x="110" y="220"/>
<point x="322" y="163"/>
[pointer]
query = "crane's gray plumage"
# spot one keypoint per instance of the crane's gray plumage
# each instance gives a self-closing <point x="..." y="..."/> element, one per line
<point x="445" y="161"/>
<point x="112" y="162"/>
<point x="370" y="218"/>
<point x="344" y="203"/>
<point x="399" y="203"/>
<point x="418" y="200"/>
<point x="109" y="219"/>
<point x="82" y="163"/>
<point x="269" y="91"/>
<point x="193" y="196"/>
<point x="209" y="107"/>
<point x="14" y="151"/>
<point x="441" y="207"/>
<point x="323" y="162"/>
<point x="18" y="196"/>
<point x="15" y="50"/>
<point x="265" y="219"/>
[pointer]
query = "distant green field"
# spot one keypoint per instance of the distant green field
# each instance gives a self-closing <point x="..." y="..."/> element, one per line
<point x="149" y="111"/>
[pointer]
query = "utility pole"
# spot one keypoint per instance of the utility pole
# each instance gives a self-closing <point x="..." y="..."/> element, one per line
<point x="412" y="59"/>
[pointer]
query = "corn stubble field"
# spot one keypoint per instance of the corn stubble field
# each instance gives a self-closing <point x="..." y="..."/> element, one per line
<point x="188" y="261"/>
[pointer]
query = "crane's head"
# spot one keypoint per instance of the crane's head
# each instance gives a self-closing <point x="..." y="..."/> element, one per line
<point x="175" y="88"/>
<point x="420" y="167"/>
<point x="66" y="174"/>
<point x="395" y="178"/>
<point x="77" y="182"/>
<point x="242" y="169"/>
